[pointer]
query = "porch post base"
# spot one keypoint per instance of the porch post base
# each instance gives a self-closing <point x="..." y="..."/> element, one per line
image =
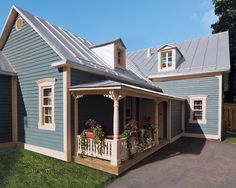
<point x="115" y="156"/>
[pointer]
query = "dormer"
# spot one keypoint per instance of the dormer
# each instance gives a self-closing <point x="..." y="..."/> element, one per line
<point x="112" y="52"/>
<point x="168" y="58"/>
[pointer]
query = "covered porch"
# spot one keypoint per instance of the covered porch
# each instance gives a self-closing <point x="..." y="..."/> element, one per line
<point x="114" y="105"/>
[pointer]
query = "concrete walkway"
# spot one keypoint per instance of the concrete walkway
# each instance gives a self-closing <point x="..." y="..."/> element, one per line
<point x="186" y="163"/>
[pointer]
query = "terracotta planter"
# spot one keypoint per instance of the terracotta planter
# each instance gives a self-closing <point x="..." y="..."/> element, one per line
<point x="133" y="133"/>
<point x="89" y="135"/>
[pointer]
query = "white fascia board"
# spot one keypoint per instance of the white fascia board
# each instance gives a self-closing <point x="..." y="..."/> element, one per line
<point x="7" y="73"/>
<point x="185" y="74"/>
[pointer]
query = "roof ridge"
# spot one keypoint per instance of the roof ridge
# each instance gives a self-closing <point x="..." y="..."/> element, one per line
<point x="176" y="43"/>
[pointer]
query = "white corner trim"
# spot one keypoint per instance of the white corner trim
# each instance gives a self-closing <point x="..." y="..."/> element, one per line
<point x="220" y="105"/>
<point x="66" y="112"/>
<point x="207" y="136"/>
<point x="45" y="151"/>
<point x="176" y="137"/>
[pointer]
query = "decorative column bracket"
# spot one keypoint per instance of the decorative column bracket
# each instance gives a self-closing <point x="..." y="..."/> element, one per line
<point x="114" y="95"/>
<point x="76" y="96"/>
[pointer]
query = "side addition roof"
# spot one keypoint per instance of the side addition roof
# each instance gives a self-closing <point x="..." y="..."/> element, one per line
<point x="202" y="55"/>
<point x="5" y="67"/>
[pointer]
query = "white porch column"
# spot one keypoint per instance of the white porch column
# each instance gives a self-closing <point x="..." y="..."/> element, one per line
<point x="156" y="121"/>
<point x="116" y="118"/>
<point x="115" y="153"/>
<point x="76" y="124"/>
<point x="169" y="120"/>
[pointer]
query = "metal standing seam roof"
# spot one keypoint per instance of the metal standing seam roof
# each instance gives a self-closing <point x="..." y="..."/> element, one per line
<point x="5" y="67"/>
<point x="77" y="50"/>
<point x="110" y="83"/>
<point x="205" y="54"/>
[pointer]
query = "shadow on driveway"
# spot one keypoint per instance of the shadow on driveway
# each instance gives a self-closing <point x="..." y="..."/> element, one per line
<point x="180" y="147"/>
<point x="189" y="162"/>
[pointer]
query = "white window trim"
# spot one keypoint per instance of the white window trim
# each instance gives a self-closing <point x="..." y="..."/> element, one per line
<point x="173" y="67"/>
<point x="203" y="98"/>
<point x="42" y="83"/>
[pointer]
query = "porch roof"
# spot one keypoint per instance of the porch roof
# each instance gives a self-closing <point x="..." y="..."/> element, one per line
<point x="103" y="87"/>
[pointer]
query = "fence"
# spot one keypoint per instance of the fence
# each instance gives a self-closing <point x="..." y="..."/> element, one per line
<point x="230" y="117"/>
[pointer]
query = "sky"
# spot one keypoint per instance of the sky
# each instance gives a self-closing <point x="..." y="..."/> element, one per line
<point x="140" y="23"/>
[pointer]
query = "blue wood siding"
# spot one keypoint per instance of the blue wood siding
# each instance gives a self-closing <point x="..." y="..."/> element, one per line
<point x="80" y="77"/>
<point x="5" y="109"/>
<point x="176" y="118"/>
<point x="31" y="58"/>
<point x="197" y="86"/>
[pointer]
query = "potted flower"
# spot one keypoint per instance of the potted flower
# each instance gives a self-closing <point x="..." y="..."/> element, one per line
<point x="94" y="132"/>
<point x="131" y="130"/>
<point x="92" y="125"/>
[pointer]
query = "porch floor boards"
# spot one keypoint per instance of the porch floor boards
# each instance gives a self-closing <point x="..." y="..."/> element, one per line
<point x="105" y="166"/>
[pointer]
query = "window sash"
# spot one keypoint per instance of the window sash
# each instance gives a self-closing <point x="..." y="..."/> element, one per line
<point x="166" y="59"/>
<point x="47" y="106"/>
<point x="198" y="109"/>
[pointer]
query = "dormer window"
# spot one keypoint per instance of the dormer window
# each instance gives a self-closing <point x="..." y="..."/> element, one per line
<point x="119" y="57"/>
<point x="166" y="59"/>
<point x="112" y="52"/>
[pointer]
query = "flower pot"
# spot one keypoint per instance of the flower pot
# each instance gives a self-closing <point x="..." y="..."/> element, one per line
<point x="133" y="133"/>
<point x="89" y="135"/>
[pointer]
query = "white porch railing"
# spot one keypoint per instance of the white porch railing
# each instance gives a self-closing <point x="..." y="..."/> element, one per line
<point x="92" y="149"/>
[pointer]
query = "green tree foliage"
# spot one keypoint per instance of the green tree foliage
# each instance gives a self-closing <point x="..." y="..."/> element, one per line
<point x="226" y="12"/>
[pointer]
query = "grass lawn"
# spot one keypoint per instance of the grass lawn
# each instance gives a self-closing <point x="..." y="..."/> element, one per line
<point x="22" y="168"/>
<point x="230" y="138"/>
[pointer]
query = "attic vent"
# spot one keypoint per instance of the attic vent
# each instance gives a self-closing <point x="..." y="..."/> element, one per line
<point x="19" y="24"/>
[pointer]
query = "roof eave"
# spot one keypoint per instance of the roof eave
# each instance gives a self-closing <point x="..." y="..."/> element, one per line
<point x="188" y="74"/>
<point x="101" y="73"/>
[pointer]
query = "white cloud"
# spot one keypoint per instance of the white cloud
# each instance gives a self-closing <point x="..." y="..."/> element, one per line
<point x="207" y="19"/>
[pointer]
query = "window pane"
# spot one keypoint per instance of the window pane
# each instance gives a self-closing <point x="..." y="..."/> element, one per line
<point x="197" y="105"/>
<point x="163" y="64"/>
<point x="169" y="63"/>
<point x="163" y="56"/>
<point x="47" y="101"/>
<point x="47" y="92"/>
<point x="48" y="111"/>
<point x="48" y="119"/>
<point x="197" y="115"/>
<point x="169" y="56"/>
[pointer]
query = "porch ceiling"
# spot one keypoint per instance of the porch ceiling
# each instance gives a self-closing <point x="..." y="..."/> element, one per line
<point x="105" y="87"/>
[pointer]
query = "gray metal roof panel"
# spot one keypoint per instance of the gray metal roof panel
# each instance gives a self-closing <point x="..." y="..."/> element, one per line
<point x="75" y="49"/>
<point x="5" y="66"/>
<point x="205" y="54"/>
<point x="106" y="83"/>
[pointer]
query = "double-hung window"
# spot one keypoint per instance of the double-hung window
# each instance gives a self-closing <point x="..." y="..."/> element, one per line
<point x="46" y="104"/>
<point x="198" y="109"/>
<point x="166" y="59"/>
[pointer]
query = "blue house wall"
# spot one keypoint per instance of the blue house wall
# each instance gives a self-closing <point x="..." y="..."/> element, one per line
<point x="31" y="58"/>
<point x="196" y="86"/>
<point x="5" y="109"/>
<point x="176" y="118"/>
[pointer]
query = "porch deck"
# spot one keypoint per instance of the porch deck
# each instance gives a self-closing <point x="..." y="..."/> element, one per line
<point x="106" y="166"/>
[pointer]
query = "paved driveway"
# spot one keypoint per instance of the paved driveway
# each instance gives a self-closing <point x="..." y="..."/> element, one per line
<point x="186" y="163"/>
